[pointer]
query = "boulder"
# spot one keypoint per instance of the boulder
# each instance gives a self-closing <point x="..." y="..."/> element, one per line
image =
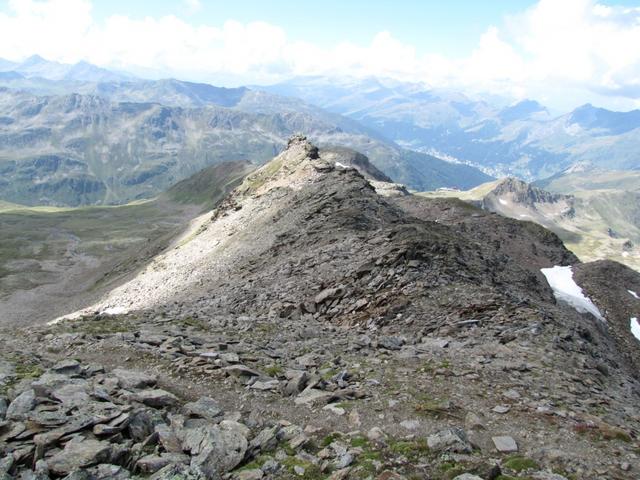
<point x="21" y="405"/>
<point x="215" y="450"/>
<point x="67" y="367"/>
<point x="79" y="453"/>
<point x="153" y="463"/>
<point x="72" y="395"/>
<point x="131" y="379"/>
<point x="156" y="398"/>
<point x="453" y="440"/>
<point x="204" y="407"/>
<point x="505" y="444"/>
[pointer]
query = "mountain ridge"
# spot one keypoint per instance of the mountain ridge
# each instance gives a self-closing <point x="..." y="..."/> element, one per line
<point x="306" y="296"/>
<point x="85" y="149"/>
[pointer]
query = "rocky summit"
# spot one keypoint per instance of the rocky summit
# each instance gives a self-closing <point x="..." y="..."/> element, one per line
<point x="323" y="323"/>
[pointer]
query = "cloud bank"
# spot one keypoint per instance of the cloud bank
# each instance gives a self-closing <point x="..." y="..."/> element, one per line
<point x="554" y="51"/>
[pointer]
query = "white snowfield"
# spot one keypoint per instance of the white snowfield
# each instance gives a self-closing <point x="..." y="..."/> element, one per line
<point x="635" y="327"/>
<point x="634" y="294"/>
<point x="567" y="290"/>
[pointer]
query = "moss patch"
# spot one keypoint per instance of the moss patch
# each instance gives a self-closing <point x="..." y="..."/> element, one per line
<point x="519" y="464"/>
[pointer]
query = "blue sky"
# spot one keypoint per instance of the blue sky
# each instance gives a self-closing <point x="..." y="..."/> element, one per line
<point x="451" y="27"/>
<point x="561" y="52"/>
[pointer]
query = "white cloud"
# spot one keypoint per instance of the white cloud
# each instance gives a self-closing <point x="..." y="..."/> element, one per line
<point x="579" y="46"/>
<point x="193" y="6"/>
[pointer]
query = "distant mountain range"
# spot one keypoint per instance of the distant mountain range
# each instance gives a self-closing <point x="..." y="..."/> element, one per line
<point x="37" y="67"/>
<point x="522" y="139"/>
<point x="79" y="134"/>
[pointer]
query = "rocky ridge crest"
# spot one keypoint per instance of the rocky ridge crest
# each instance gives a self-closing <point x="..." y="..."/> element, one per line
<point x="311" y="328"/>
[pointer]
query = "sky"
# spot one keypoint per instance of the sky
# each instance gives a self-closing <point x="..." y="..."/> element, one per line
<point x="563" y="53"/>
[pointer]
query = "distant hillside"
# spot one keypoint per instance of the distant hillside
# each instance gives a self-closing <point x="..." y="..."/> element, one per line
<point x="594" y="224"/>
<point x="205" y="188"/>
<point x="78" y="149"/>
<point x="586" y="177"/>
<point x="521" y="139"/>
<point x="52" y="259"/>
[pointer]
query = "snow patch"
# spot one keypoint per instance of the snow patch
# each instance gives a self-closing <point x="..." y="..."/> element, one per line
<point x="114" y="311"/>
<point x="342" y="165"/>
<point x="503" y="201"/>
<point x="567" y="290"/>
<point x="635" y="327"/>
<point x="634" y="294"/>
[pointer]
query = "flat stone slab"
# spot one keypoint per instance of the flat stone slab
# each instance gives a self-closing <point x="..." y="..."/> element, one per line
<point x="505" y="444"/>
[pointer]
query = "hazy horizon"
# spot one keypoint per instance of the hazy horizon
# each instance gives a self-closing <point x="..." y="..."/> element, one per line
<point x="562" y="54"/>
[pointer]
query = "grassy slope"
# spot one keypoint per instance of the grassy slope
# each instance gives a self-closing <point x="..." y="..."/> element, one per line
<point x="94" y="247"/>
<point x="205" y="188"/>
<point x="599" y="180"/>
<point x="596" y="211"/>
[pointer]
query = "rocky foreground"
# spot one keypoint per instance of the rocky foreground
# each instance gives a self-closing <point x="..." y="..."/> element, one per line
<point x="316" y="329"/>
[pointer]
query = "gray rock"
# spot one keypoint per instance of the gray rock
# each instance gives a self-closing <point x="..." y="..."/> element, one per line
<point x="176" y="472"/>
<point x="253" y="474"/>
<point x="32" y="475"/>
<point x="511" y="394"/>
<point x="343" y="461"/>
<point x="505" y="444"/>
<point x="78" y="475"/>
<point x="151" y="338"/>
<point x="230" y="357"/>
<point x="266" y="440"/>
<point x="391" y="342"/>
<point x="308" y="360"/>
<point x="21" y="406"/>
<point x="326" y="294"/>
<point x="204" y="407"/>
<point x="215" y="450"/>
<point x="241" y="371"/>
<point x="48" y="382"/>
<point x="298" y="441"/>
<point x="7" y="371"/>
<point x="375" y="434"/>
<point x="67" y="367"/>
<point x="296" y="381"/>
<point x="312" y="396"/>
<point x="3" y="407"/>
<point x="156" y="398"/>
<point x="474" y="421"/>
<point x="467" y="476"/>
<point x="106" y="471"/>
<point x="72" y="395"/>
<point x="410" y="424"/>
<point x="501" y="409"/>
<point x="449" y="440"/>
<point x="142" y="424"/>
<point x="48" y="418"/>
<point x="153" y="463"/>
<point x="131" y="379"/>
<point x="265" y="385"/>
<point x="168" y="438"/>
<point x="79" y="453"/>
<point x="6" y="463"/>
<point x="271" y="466"/>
